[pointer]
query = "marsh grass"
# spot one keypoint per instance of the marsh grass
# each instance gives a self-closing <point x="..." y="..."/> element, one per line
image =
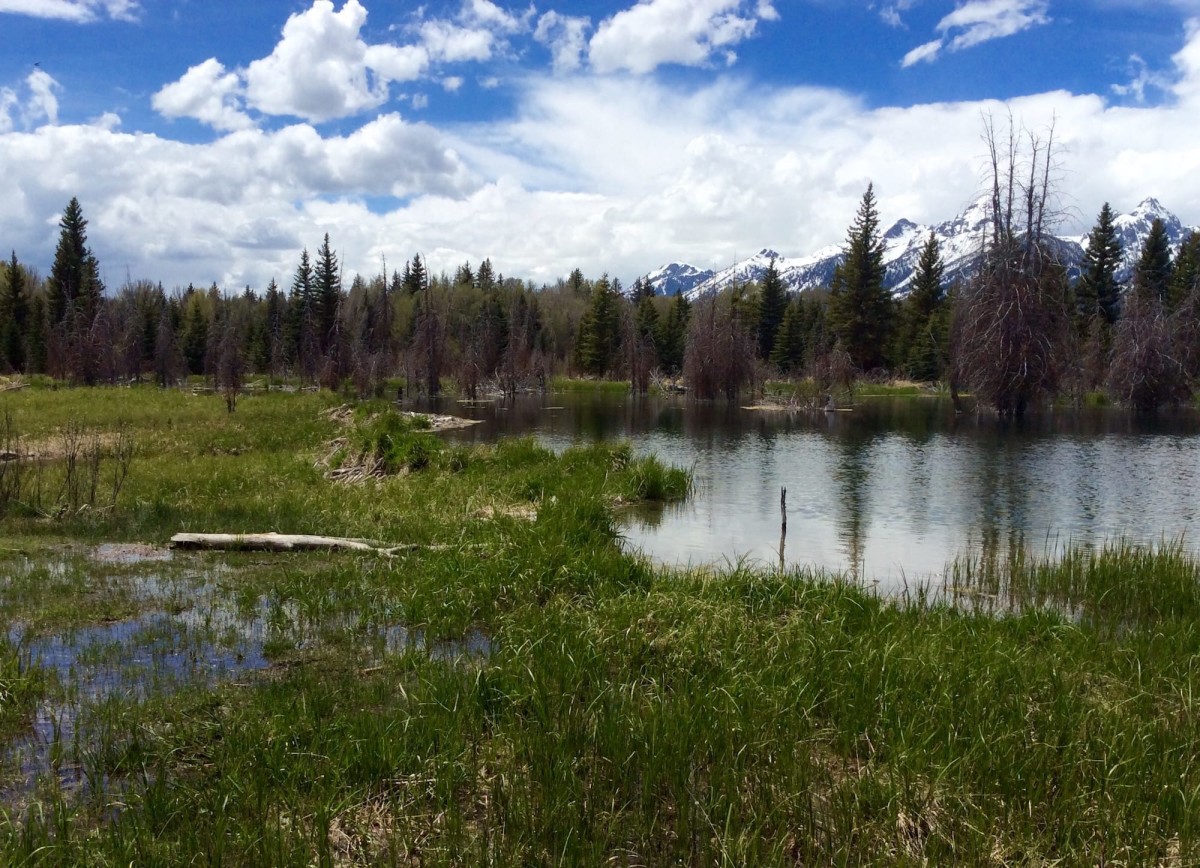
<point x="607" y="387"/>
<point x="523" y="692"/>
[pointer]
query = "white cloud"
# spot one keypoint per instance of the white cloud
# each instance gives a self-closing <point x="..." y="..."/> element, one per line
<point x="207" y="93"/>
<point x="926" y="52"/>
<point x="687" y="32"/>
<point x="451" y="43"/>
<point x="397" y="62"/>
<point x="40" y="104"/>
<point x="1187" y="65"/>
<point x="43" y="104"/>
<point x="1142" y="78"/>
<point x="321" y="69"/>
<point x="486" y="14"/>
<point x="110" y="121"/>
<point x="80" y="11"/>
<point x="979" y="21"/>
<point x="8" y="102"/>
<point x="584" y="174"/>
<point x="452" y="83"/>
<point x="200" y="212"/>
<point x="892" y="13"/>
<point x="565" y="36"/>
<point x="317" y="70"/>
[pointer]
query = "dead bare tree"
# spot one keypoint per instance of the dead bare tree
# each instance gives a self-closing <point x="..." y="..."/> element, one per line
<point x="1013" y="316"/>
<point x="719" y="359"/>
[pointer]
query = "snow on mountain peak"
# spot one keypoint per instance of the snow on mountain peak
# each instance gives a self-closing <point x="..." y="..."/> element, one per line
<point x="961" y="240"/>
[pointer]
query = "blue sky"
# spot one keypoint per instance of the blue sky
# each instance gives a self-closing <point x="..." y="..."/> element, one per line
<point x="211" y="141"/>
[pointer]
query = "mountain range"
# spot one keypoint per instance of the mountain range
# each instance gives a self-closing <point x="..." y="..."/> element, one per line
<point x="960" y="240"/>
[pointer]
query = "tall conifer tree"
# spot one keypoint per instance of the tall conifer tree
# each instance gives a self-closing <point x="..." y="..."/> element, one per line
<point x="771" y="306"/>
<point x="1152" y="276"/>
<point x="1097" y="293"/>
<point x="327" y="294"/>
<point x="14" y="317"/>
<point x="860" y="307"/>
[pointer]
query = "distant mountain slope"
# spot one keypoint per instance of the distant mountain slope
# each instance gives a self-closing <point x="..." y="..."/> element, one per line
<point x="961" y="240"/>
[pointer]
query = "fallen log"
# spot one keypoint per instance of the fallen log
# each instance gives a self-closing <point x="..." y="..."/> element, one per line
<point x="272" y="542"/>
<point x="287" y="542"/>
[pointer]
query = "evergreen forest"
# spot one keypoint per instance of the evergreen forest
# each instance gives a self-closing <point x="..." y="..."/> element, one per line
<point x="1018" y="332"/>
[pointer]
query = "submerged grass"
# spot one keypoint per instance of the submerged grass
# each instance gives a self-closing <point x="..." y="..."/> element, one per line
<point x="517" y="690"/>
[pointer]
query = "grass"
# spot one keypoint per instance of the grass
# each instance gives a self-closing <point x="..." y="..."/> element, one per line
<point x="608" y="387"/>
<point x="551" y="699"/>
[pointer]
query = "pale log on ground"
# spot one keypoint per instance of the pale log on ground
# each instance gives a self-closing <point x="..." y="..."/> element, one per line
<point x="271" y="542"/>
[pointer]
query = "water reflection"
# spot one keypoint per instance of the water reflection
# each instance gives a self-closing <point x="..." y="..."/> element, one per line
<point x="892" y="490"/>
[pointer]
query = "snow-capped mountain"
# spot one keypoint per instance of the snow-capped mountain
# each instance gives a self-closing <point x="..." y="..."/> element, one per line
<point x="1132" y="229"/>
<point x="676" y="277"/>
<point x="961" y="241"/>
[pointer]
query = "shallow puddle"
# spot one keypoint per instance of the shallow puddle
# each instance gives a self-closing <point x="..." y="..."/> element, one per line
<point x="195" y="631"/>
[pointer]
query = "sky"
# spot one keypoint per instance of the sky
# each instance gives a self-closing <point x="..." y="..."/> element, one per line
<point x="213" y="141"/>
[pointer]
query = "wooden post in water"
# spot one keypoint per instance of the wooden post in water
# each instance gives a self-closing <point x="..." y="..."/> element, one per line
<point x="782" y="526"/>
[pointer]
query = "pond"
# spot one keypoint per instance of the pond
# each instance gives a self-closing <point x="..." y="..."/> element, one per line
<point x="890" y="491"/>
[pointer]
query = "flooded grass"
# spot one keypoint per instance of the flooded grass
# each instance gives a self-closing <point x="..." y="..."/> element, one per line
<point x="514" y="689"/>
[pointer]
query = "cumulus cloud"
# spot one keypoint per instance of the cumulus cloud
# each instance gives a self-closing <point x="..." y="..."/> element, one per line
<point x="397" y="62"/>
<point x="979" y="21"/>
<point x="450" y="42"/>
<point x="207" y="93"/>
<point x="322" y="69"/>
<point x="182" y="212"/>
<point x="687" y="32"/>
<point x="317" y="70"/>
<point x="486" y="14"/>
<point x="80" y="11"/>
<point x="565" y="36"/>
<point x="583" y="174"/>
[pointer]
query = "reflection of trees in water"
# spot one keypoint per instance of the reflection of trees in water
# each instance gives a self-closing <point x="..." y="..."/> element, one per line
<point x="852" y="473"/>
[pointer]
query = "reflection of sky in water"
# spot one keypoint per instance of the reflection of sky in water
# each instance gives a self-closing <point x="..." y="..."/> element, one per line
<point x="897" y="487"/>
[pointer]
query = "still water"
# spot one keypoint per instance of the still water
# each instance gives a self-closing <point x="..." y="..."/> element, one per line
<point x="892" y="490"/>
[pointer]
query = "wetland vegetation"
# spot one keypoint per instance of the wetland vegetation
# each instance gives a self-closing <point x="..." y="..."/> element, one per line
<point x="515" y="688"/>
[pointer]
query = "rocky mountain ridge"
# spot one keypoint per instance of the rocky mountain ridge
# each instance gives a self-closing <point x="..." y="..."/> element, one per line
<point x="961" y="240"/>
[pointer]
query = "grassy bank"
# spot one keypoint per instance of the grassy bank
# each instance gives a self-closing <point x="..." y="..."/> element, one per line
<point x="515" y="690"/>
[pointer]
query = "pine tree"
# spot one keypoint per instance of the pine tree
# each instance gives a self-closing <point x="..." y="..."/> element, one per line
<point x="1152" y="275"/>
<point x="1098" y="293"/>
<point x="641" y="288"/>
<point x="38" y="337"/>
<point x="75" y="274"/>
<point x="464" y="275"/>
<point x="599" y="331"/>
<point x="14" y="317"/>
<point x="1186" y="278"/>
<point x="771" y="306"/>
<point x="673" y="335"/>
<point x="327" y="296"/>
<point x="923" y="323"/>
<point x="486" y="277"/>
<point x="415" y="278"/>
<point x="576" y="283"/>
<point x="195" y="332"/>
<point x="788" y="352"/>
<point x="860" y="307"/>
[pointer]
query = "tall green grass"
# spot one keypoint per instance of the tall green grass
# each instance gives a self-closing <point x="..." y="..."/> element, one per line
<point x="616" y="712"/>
<point x="608" y="387"/>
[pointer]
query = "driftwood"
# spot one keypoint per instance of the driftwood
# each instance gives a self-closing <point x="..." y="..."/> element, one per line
<point x="285" y="542"/>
